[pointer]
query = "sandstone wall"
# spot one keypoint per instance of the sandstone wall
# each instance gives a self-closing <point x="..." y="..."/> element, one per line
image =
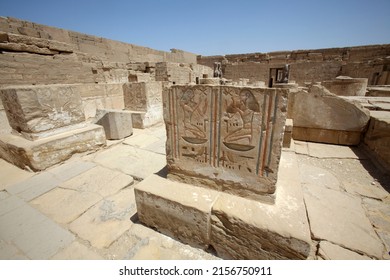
<point x="181" y="73"/>
<point x="307" y="66"/>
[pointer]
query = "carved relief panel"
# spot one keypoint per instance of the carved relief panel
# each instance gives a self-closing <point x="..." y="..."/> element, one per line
<point x="226" y="138"/>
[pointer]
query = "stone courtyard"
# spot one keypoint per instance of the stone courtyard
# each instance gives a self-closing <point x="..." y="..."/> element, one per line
<point x="114" y="151"/>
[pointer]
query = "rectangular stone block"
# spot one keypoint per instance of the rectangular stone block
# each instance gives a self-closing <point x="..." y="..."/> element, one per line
<point x="226" y="138"/>
<point x="247" y="229"/>
<point x="43" y="153"/>
<point x="176" y="209"/>
<point x="117" y="124"/>
<point x="39" y="111"/>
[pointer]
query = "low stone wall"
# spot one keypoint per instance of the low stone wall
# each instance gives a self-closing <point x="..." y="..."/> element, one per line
<point x="180" y="73"/>
<point x="346" y="86"/>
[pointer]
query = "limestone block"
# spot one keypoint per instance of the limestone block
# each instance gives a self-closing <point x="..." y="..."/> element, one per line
<point x="117" y="124"/>
<point x="347" y="86"/>
<point x="225" y="138"/>
<point x="43" y="153"/>
<point x="247" y="229"/>
<point x="288" y="133"/>
<point x="377" y="138"/>
<point x="36" y="110"/>
<point x="176" y="209"/>
<point x="321" y="116"/>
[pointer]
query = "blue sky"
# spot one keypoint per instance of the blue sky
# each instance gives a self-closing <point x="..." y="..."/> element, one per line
<point x="216" y="27"/>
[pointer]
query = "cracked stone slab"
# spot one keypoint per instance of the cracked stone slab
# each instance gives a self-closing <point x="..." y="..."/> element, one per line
<point x="141" y="140"/>
<point x="34" y="186"/>
<point x="378" y="213"/>
<point x="301" y="147"/>
<point x="99" y="180"/>
<point x="4" y="195"/>
<point x="330" y="251"/>
<point x="10" y="174"/>
<point x="65" y="205"/>
<point x="10" y="203"/>
<point x="311" y="175"/>
<point x="367" y="190"/>
<point x="69" y="170"/>
<point x="29" y="230"/>
<point x="340" y="219"/>
<point x="77" y="251"/>
<point x="106" y="221"/>
<point x="130" y="160"/>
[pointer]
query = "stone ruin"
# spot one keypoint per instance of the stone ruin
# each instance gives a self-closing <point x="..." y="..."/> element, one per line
<point x="226" y="190"/>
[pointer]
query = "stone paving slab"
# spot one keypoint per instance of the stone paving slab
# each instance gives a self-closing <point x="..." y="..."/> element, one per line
<point x="10" y="252"/>
<point x="320" y="150"/>
<point x="330" y="251"/>
<point x="365" y="190"/>
<point x="33" y="233"/>
<point x="130" y="160"/>
<point x="10" y="203"/>
<point x="10" y="174"/>
<point x="4" y="195"/>
<point x="69" y="170"/>
<point x="311" y="175"/>
<point x="65" y="205"/>
<point x="141" y="140"/>
<point x="99" y="180"/>
<point x="34" y="186"/>
<point x="106" y="221"/>
<point x="77" y="251"/>
<point x="340" y="219"/>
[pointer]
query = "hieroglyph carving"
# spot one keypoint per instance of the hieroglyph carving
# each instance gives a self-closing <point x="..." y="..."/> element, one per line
<point x="228" y="135"/>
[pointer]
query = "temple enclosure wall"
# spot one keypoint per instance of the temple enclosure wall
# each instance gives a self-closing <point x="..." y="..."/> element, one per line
<point x="307" y="66"/>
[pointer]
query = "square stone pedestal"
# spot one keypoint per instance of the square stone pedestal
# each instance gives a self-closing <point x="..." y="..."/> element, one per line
<point x="43" y="153"/>
<point x="235" y="227"/>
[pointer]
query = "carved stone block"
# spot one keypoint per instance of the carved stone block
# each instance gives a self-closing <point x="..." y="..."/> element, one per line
<point x="226" y="138"/>
<point x="40" y="111"/>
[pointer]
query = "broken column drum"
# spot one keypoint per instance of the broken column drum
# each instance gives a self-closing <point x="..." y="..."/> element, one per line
<point x="226" y="138"/>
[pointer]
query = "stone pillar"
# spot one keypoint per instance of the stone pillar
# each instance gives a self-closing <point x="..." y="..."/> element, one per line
<point x="226" y="138"/>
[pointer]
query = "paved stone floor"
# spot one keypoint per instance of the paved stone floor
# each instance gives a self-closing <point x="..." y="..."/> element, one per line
<point x="85" y="208"/>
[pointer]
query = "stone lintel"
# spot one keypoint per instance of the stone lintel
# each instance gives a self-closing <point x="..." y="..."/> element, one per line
<point x="43" y="153"/>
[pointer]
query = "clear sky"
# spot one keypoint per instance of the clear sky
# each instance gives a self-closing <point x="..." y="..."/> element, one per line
<point x="214" y="26"/>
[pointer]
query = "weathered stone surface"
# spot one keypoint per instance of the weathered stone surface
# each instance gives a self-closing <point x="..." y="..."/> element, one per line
<point x="340" y="219"/>
<point x="330" y="251"/>
<point x="288" y="133"/>
<point x="146" y="99"/>
<point x="29" y="230"/>
<point x="130" y="160"/>
<point x="69" y="170"/>
<point x="117" y="124"/>
<point x="377" y="137"/>
<point x="311" y="175"/>
<point x="106" y="221"/>
<point x="367" y="190"/>
<point x="320" y="150"/>
<point x="43" y="153"/>
<point x="99" y="180"/>
<point x="9" y="251"/>
<point x="226" y="138"/>
<point x="347" y="86"/>
<point x="77" y="251"/>
<point x="378" y="213"/>
<point x="39" y="111"/>
<point x="63" y="205"/>
<point x="245" y="229"/>
<point x="321" y="116"/>
<point x="11" y="174"/>
<point x="176" y="209"/>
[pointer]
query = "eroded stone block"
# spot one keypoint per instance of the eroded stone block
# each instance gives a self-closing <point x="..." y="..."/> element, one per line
<point x="176" y="209"/>
<point x="226" y="138"/>
<point x="40" y="111"/>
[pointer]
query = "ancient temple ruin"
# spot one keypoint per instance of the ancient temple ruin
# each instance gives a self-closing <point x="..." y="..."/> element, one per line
<point x="221" y="173"/>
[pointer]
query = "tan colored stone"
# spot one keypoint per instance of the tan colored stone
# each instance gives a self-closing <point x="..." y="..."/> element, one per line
<point x="320" y="150"/>
<point x="11" y="174"/>
<point x="347" y="86"/>
<point x="226" y="138"/>
<point x="330" y="251"/>
<point x="176" y="209"/>
<point x="311" y="175"/>
<point x="340" y="219"/>
<point x="76" y="251"/>
<point x="321" y="116"/>
<point x="245" y="229"/>
<point x="99" y="180"/>
<point x="105" y="222"/>
<point x="43" y="153"/>
<point x="367" y="190"/>
<point x="63" y="205"/>
<point x="130" y="160"/>
<point x="36" y="111"/>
